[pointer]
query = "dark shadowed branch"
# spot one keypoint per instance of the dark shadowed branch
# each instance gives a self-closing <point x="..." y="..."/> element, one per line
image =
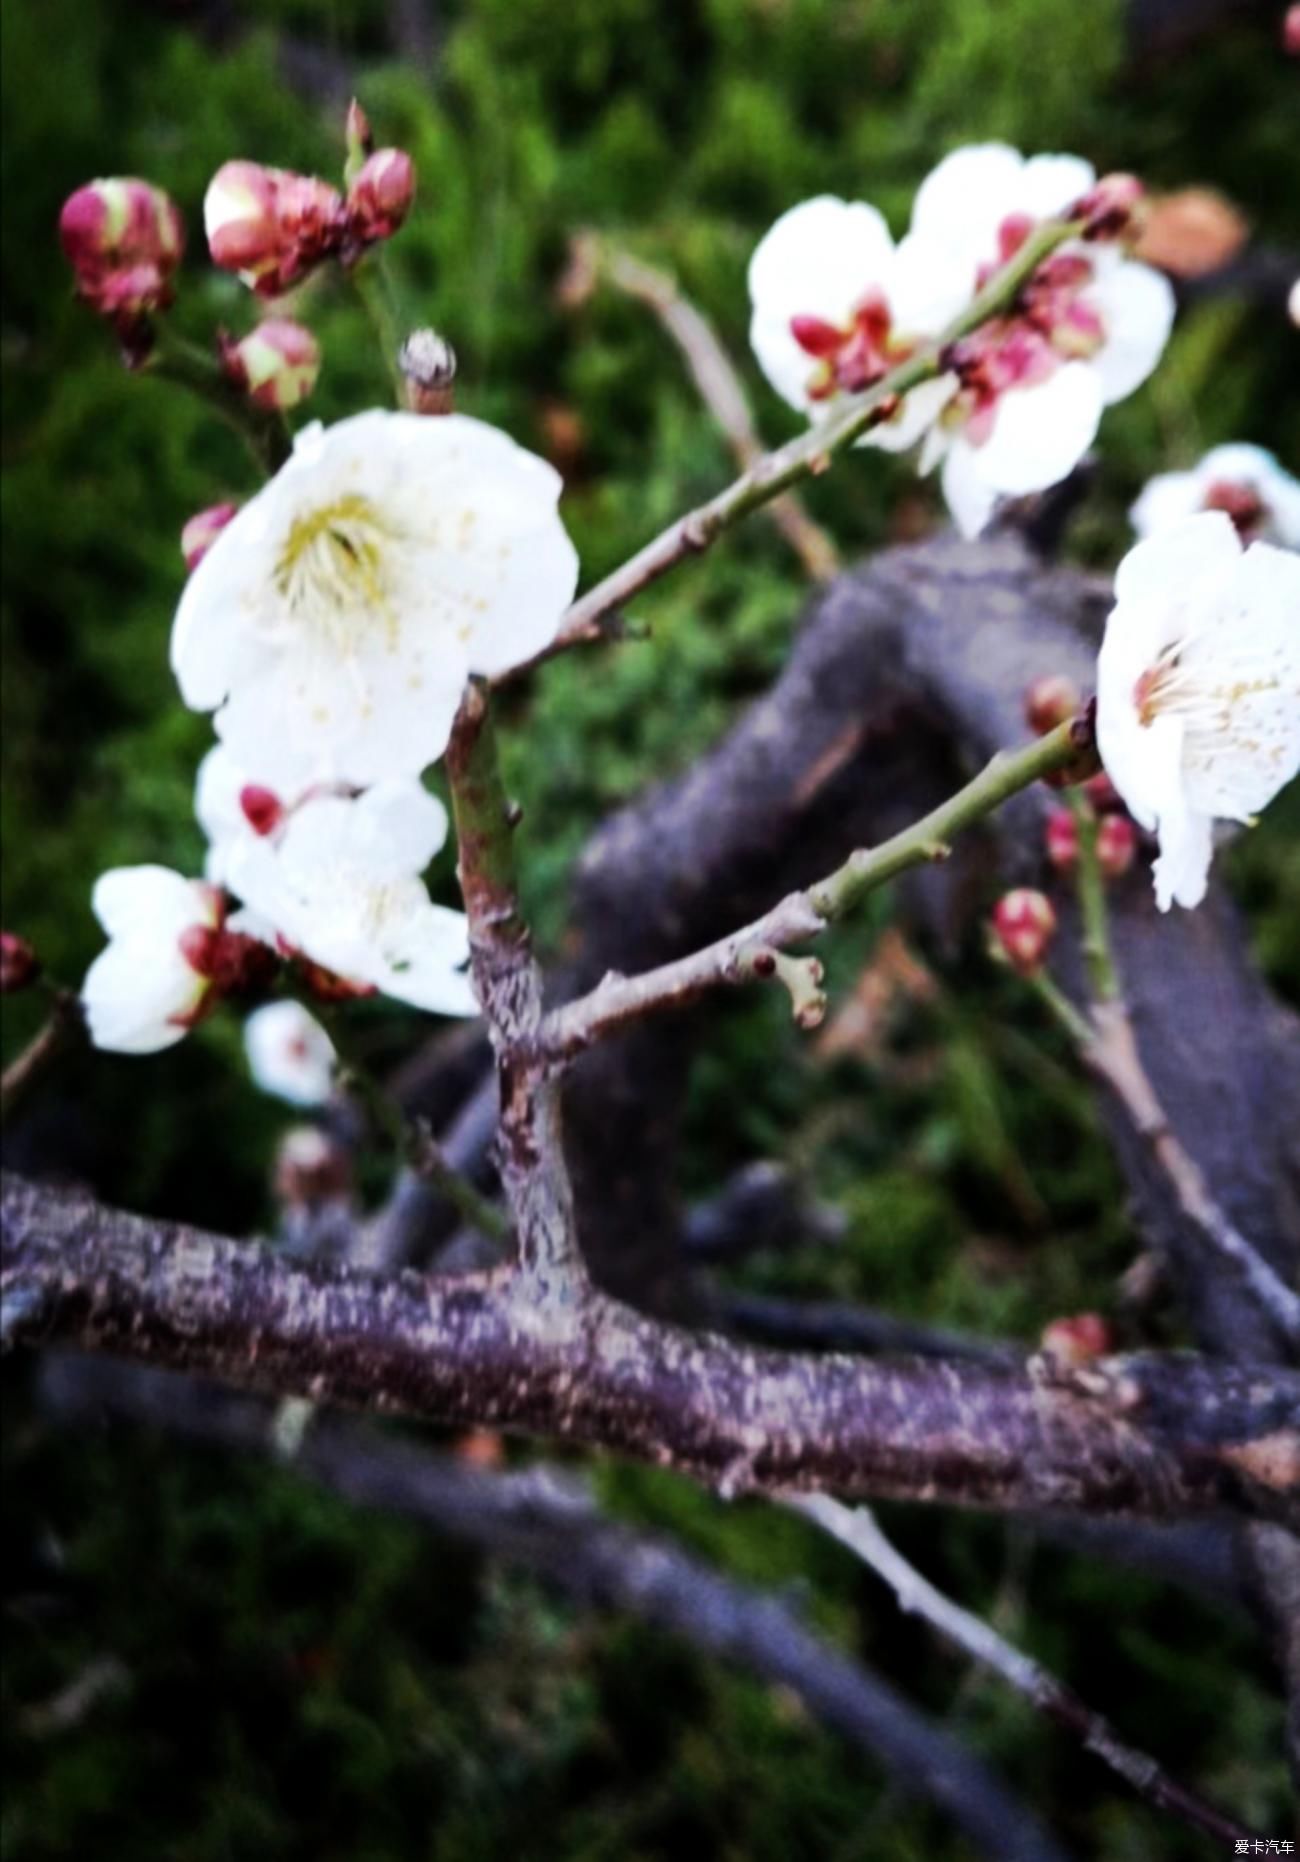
<point x="1157" y="1435"/>
<point x="545" y="1521"/>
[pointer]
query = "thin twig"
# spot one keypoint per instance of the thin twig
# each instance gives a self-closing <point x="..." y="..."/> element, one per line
<point x="62" y="1029"/>
<point x="805" y="456"/>
<point x="264" y="432"/>
<point x="1112" y="1054"/>
<point x="856" y="1528"/>
<point x="745" y="954"/>
<point x="721" y="391"/>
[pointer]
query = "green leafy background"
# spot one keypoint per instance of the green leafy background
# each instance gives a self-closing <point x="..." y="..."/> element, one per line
<point x="304" y="1681"/>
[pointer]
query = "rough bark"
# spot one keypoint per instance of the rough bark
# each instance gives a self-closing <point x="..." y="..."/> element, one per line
<point x="1153" y="1436"/>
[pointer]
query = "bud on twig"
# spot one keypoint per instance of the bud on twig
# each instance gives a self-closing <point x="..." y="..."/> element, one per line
<point x="1062" y="839"/>
<point x="19" y="964"/>
<point x="1109" y="210"/>
<point x="1291" y="32"/>
<point x="1024" y="925"/>
<point x="380" y="197"/>
<point x="1102" y="794"/>
<point x="270" y="226"/>
<point x="124" y="239"/>
<point x="1116" y="845"/>
<point x="201" y="531"/>
<point x="1050" y="701"/>
<point x="428" y="365"/>
<point x="1075" y="1341"/>
<point x="359" y="140"/>
<point x="276" y="365"/>
<point x="310" y="1168"/>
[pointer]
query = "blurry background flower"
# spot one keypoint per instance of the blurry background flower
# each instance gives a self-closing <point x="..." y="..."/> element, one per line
<point x="289" y="1053"/>
<point x="1245" y="482"/>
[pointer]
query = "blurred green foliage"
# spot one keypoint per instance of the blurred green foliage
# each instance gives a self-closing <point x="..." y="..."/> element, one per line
<point x="304" y="1682"/>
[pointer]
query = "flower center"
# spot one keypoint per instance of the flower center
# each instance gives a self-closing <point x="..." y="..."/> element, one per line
<point x="1240" y="501"/>
<point x="332" y="565"/>
<point x="852" y="356"/>
<point x="1206" y="704"/>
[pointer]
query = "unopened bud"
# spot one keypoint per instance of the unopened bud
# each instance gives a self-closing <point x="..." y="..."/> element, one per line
<point x="1102" y="793"/>
<point x="19" y="964"/>
<point x="1108" y="210"/>
<point x="1024" y="925"/>
<point x="270" y="226"/>
<point x="359" y="140"/>
<point x="380" y="197"/>
<point x="1116" y="845"/>
<point x="124" y="239"/>
<point x="310" y="1168"/>
<point x="1062" y="839"/>
<point x="1075" y="1341"/>
<point x="428" y="365"/>
<point x="276" y="364"/>
<point x="1291" y="32"/>
<point x="1293" y="303"/>
<point x="201" y="531"/>
<point x="1050" y="701"/>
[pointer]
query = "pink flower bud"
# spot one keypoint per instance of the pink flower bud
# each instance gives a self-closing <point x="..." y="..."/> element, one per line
<point x="276" y="364"/>
<point x="270" y="226"/>
<point x="380" y="197"/>
<point x="1075" y="1341"/>
<point x="201" y="531"/>
<point x="1062" y="839"/>
<point x="19" y="964"/>
<point x="1024" y="925"/>
<point x="1108" y="209"/>
<point x="310" y="1168"/>
<point x="1050" y="701"/>
<point x="123" y="239"/>
<point x="359" y="141"/>
<point x="1102" y="793"/>
<point x="262" y="808"/>
<point x="1116" y="845"/>
<point x="1291" y="32"/>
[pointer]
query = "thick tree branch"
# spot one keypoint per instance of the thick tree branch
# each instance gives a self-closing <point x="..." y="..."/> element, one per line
<point x="545" y="1521"/>
<point x="855" y="1528"/>
<point x="1156" y="1436"/>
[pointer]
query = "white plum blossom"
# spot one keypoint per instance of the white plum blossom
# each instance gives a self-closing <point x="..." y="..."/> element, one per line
<point x="144" y="991"/>
<point x="341" y="884"/>
<point x="1244" y="481"/>
<point x="335" y="620"/>
<point x="289" y="1053"/>
<point x="230" y="808"/>
<point x="837" y="304"/>
<point x="1198" y="689"/>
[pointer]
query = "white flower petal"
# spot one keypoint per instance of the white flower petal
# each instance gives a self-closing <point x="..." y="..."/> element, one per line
<point x="153" y="900"/>
<point x="1181" y="871"/>
<point x="963" y="201"/>
<point x="1168" y="498"/>
<point x="1181" y="560"/>
<point x="1137" y="310"/>
<point x="969" y="496"/>
<point x="1050" y="184"/>
<point x="1040" y="434"/>
<point x="928" y="284"/>
<point x="1248" y="659"/>
<point x="404" y="826"/>
<point x="915" y="418"/>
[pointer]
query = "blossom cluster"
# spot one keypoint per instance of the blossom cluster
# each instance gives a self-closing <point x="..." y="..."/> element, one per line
<point x="837" y="304"/>
<point x="331" y="624"/>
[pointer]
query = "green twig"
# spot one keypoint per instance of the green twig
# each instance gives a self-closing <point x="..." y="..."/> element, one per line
<point x="810" y="453"/>
<point x="374" y="288"/>
<point x="749" y="952"/>
<point x="1098" y="955"/>
<point x="266" y="434"/>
